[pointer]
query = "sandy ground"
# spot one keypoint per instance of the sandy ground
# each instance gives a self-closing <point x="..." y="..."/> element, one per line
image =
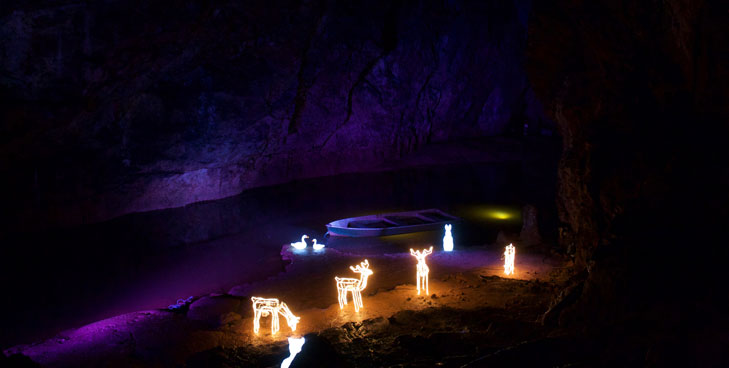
<point x="308" y="284"/>
<point x="468" y="279"/>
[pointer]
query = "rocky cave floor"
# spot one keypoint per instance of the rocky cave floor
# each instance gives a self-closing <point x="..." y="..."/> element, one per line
<point x="474" y="315"/>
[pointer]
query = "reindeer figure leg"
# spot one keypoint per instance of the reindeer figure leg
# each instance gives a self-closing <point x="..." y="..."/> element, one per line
<point x="355" y="299"/>
<point x="256" y="320"/>
<point x="425" y="278"/>
<point x="274" y="322"/>
<point x="342" y="298"/>
<point x="418" y="282"/>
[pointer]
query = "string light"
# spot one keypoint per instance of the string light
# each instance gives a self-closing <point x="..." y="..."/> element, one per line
<point x="345" y="285"/>
<point x="180" y="303"/>
<point x="264" y="307"/>
<point x="423" y="270"/>
<point x="448" y="239"/>
<point x="509" y="254"/>
<point x="295" y="345"/>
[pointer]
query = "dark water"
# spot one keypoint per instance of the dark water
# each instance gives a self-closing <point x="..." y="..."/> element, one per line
<point x="62" y="279"/>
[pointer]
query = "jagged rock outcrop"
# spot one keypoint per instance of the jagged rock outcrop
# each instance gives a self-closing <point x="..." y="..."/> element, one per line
<point x="117" y="107"/>
<point x="529" y="234"/>
<point x="638" y="91"/>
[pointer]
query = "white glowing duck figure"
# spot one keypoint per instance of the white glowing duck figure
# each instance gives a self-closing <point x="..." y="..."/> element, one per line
<point x="317" y="246"/>
<point x="301" y="244"/>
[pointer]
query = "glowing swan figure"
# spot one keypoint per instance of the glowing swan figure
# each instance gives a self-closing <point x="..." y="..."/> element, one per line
<point x="295" y="346"/>
<point x="423" y="270"/>
<point x="509" y="255"/>
<point x="345" y="285"/>
<point x="264" y="307"/>
<point x="448" y="239"/>
<point x="317" y="246"/>
<point x="301" y="244"/>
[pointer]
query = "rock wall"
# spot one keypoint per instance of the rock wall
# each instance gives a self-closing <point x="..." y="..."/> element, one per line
<point x="123" y="106"/>
<point x="638" y="91"/>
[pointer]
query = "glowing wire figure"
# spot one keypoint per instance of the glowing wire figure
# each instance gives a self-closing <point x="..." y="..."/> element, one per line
<point x="301" y="244"/>
<point x="423" y="269"/>
<point x="295" y="346"/>
<point x="264" y="307"/>
<point x="509" y="255"/>
<point x="448" y="239"/>
<point x="317" y="246"/>
<point x="345" y="285"/>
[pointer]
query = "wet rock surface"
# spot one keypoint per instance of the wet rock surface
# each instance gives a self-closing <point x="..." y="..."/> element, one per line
<point x="149" y="260"/>
<point x="434" y="336"/>
<point x="471" y="311"/>
<point x="473" y="317"/>
<point x="120" y="107"/>
<point x="217" y="310"/>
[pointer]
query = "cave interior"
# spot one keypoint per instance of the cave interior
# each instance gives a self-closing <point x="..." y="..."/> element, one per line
<point x="160" y="158"/>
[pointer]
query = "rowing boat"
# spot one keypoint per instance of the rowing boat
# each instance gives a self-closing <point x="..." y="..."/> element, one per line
<point x="390" y="223"/>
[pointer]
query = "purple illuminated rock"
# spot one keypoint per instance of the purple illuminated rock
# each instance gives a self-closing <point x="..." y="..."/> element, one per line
<point x="127" y="108"/>
<point x="216" y="310"/>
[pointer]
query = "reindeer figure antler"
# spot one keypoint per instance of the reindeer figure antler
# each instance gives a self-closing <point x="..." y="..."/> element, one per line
<point x="362" y="266"/>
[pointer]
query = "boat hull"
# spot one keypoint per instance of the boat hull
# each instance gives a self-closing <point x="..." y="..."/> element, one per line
<point x="390" y="223"/>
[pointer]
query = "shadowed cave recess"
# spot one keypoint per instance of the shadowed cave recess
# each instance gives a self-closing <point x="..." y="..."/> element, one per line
<point x="155" y="151"/>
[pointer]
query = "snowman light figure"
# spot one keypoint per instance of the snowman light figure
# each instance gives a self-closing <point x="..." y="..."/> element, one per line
<point x="295" y="345"/>
<point x="448" y="239"/>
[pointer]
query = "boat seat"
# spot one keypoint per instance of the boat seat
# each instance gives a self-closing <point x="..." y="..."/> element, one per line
<point x="406" y="220"/>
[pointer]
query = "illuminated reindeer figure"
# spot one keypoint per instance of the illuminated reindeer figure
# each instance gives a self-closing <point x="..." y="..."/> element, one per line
<point x="422" y="281"/>
<point x="509" y="255"/>
<point x="345" y="285"/>
<point x="264" y="307"/>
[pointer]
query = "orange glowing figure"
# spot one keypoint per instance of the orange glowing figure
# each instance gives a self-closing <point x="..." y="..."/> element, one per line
<point x="509" y="255"/>
<point x="264" y="307"/>
<point x="345" y="285"/>
<point x="423" y="270"/>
